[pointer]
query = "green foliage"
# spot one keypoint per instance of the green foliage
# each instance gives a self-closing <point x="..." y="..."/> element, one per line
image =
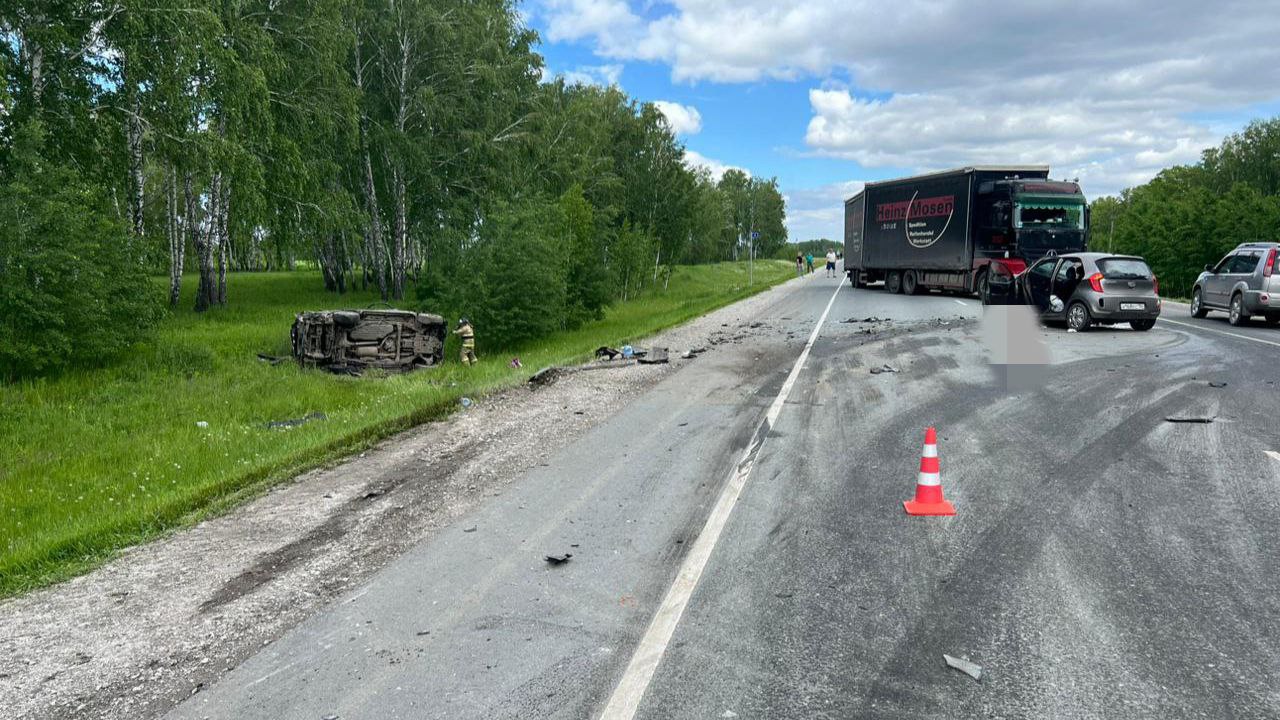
<point x="70" y="292"/>
<point x="1190" y="216"/>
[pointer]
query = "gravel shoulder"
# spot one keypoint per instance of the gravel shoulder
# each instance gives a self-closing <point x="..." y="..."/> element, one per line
<point x="163" y="621"/>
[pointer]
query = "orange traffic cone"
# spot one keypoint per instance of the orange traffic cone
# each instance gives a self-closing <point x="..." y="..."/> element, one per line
<point x="929" y="500"/>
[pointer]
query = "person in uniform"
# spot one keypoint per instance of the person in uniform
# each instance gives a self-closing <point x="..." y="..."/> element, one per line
<point x="468" y="335"/>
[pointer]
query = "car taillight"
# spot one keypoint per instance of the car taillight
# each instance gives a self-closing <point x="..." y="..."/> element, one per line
<point x="1095" y="282"/>
<point x="1270" y="267"/>
<point x="1155" y="284"/>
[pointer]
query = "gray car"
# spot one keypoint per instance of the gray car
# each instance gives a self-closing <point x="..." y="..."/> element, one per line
<point x="1084" y="289"/>
<point x="1244" y="283"/>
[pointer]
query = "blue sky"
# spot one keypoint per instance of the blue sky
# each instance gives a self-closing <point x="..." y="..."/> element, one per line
<point x="825" y="94"/>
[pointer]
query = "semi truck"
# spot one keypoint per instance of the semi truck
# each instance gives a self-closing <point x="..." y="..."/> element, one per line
<point x="955" y="229"/>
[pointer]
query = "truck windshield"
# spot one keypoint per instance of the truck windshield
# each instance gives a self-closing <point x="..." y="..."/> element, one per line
<point x="1035" y="212"/>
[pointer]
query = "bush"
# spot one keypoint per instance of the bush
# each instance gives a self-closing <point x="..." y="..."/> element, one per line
<point x="511" y="281"/>
<point x="70" y="291"/>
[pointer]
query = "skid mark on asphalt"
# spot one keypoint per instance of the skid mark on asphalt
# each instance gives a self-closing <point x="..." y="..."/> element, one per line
<point x="635" y="680"/>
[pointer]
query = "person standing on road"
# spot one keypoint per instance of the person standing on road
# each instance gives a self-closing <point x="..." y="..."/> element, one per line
<point x="831" y="263"/>
<point x="799" y="265"/>
<point x="468" y="335"/>
<point x="808" y="261"/>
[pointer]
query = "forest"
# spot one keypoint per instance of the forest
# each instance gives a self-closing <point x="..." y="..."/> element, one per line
<point x="1191" y="215"/>
<point x="417" y="148"/>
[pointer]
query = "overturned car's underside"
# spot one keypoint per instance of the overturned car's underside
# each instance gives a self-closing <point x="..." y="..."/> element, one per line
<point x="349" y="341"/>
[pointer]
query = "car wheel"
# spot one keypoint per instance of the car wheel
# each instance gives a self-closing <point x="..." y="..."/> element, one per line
<point x="1197" y="305"/>
<point x="893" y="282"/>
<point x="910" y="285"/>
<point x="1237" y="316"/>
<point x="1142" y="324"/>
<point x="1078" y="318"/>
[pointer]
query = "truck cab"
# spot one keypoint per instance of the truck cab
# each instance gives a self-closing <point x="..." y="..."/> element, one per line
<point x="1017" y="221"/>
<point x="1026" y="219"/>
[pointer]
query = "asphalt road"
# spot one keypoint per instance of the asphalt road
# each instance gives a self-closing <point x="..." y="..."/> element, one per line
<point x="1103" y="562"/>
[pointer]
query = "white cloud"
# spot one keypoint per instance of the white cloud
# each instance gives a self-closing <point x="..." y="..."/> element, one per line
<point x="819" y="212"/>
<point x="717" y="169"/>
<point x="683" y="119"/>
<point x="1105" y="90"/>
<point x="603" y="75"/>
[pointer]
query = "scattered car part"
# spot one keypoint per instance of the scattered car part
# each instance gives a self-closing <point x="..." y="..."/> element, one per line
<point x="973" y="670"/>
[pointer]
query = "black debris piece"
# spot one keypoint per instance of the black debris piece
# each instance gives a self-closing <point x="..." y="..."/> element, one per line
<point x="1201" y="420"/>
<point x="604" y="352"/>
<point x="1217" y="384"/>
<point x="272" y="359"/>
<point x="884" y="369"/>
<point x="371" y="494"/>
<point x="469" y="529"/>
<point x="871" y="319"/>
<point x="559" y="559"/>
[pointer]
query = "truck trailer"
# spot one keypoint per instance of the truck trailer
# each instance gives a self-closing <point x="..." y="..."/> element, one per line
<point x="952" y="230"/>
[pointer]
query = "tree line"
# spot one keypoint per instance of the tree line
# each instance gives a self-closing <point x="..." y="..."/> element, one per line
<point x="1191" y="215"/>
<point x="412" y="146"/>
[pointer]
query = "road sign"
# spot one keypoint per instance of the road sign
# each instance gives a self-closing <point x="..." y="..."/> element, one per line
<point x="755" y="235"/>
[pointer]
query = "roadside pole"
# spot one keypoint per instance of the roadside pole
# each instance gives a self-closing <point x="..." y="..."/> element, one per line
<point x="751" y="258"/>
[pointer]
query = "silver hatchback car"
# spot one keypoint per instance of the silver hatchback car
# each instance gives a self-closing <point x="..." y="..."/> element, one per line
<point x="1244" y="283"/>
<point x="1084" y="289"/>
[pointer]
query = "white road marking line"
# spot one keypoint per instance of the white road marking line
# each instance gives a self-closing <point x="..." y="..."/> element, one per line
<point x="1274" y="455"/>
<point x="1221" y="332"/>
<point x="644" y="661"/>
<point x="961" y="302"/>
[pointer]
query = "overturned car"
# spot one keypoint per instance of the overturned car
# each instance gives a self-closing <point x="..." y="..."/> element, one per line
<point x="350" y="341"/>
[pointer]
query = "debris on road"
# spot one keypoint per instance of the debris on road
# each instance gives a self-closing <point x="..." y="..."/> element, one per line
<point x="1176" y="419"/>
<point x="971" y="669"/>
<point x="467" y="402"/>
<point x="291" y="423"/>
<point x="469" y="529"/>
<point x="884" y="369"/>
<point x="1213" y="384"/>
<point x="656" y="356"/>
<point x="872" y="319"/>
<point x="559" y="559"/>
<point x="604" y="352"/>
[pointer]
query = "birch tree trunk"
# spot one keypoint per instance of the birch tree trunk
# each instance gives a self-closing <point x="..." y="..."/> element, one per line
<point x="177" y="242"/>
<point x="224" y="240"/>
<point x="373" y="233"/>
<point x="133" y="139"/>
<point x="206" y="238"/>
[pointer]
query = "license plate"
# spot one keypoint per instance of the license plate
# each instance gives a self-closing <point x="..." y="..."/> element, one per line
<point x="1132" y="306"/>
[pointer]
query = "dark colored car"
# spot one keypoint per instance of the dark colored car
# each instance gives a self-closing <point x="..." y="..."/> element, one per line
<point x="1083" y="289"/>
<point x="348" y="341"/>
<point x="1244" y="283"/>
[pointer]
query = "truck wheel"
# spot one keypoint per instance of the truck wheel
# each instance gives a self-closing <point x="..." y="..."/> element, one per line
<point x="910" y="284"/>
<point x="983" y="286"/>
<point x="1237" y="316"/>
<point x="1078" y="317"/>
<point x="893" y="282"/>
<point x="1197" y="305"/>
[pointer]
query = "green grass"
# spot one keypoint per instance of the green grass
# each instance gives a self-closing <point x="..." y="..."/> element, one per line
<point x="98" y="460"/>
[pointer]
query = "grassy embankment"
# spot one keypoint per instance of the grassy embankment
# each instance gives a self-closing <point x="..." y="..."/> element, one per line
<point x="97" y="460"/>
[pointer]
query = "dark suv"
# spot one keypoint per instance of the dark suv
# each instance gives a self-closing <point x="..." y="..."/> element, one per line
<point x="1244" y="283"/>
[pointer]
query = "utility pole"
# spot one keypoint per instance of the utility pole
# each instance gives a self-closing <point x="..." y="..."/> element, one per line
<point x="1111" y="233"/>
